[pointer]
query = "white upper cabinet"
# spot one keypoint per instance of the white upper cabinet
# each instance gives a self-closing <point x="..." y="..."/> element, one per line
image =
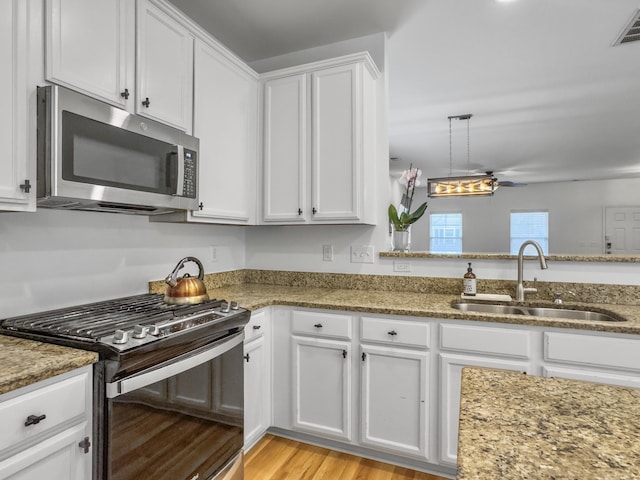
<point x="225" y="121"/>
<point x="140" y="60"/>
<point x="285" y="149"/>
<point x="319" y="142"/>
<point x="93" y="57"/>
<point x="165" y="67"/>
<point x="17" y="168"/>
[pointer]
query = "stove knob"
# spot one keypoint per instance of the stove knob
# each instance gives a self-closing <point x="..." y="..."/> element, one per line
<point x="154" y="330"/>
<point x="234" y="306"/>
<point x="224" y="307"/>
<point x="120" y="337"/>
<point x="139" y="331"/>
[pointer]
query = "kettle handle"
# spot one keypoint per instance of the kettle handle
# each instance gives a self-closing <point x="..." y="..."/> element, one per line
<point x="171" y="278"/>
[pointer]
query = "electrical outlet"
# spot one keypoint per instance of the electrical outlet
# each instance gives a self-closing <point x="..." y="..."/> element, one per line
<point x="327" y="253"/>
<point x="362" y="254"/>
<point x="401" y="266"/>
<point x="214" y="253"/>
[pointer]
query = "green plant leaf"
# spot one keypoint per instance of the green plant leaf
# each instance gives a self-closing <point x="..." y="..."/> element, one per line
<point x="393" y="217"/>
<point x="415" y="216"/>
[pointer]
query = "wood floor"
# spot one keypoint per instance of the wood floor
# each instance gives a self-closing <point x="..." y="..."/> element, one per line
<point x="276" y="458"/>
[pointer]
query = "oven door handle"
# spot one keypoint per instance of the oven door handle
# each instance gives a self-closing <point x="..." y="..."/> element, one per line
<point x="149" y="377"/>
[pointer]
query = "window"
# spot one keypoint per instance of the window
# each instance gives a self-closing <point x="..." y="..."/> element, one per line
<point x="445" y="233"/>
<point x="529" y="226"/>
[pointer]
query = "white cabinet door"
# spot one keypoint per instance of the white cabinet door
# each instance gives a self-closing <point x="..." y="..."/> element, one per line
<point x="322" y="387"/>
<point x="164" y="87"/>
<point x="450" y="376"/>
<point x="58" y="457"/>
<point x="394" y="396"/>
<point x="90" y="48"/>
<point x="256" y="391"/>
<point x="285" y="149"/>
<point x="336" y="143"/>
<point x="16" y="167"/>
<point x="225" y="110"/>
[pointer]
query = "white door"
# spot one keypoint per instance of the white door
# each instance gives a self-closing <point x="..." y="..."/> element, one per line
<point x="58" y="457"/>
<point x="225" y="109"/>
<point x="256" y="398"/>
<point x="322" y="387"/>
<point x="164" y="87"/>
<point x="622" y="230"/>
<point x="394" y="399"/>
<point x="17" y="173"/>
<point x="336" y="143"/>
<point x="285" y="149"/>
<point x="94" y="57"/>
<point x="450" y="381"/>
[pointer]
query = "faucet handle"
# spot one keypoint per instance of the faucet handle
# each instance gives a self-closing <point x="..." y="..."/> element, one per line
<point x="558" y="296"/>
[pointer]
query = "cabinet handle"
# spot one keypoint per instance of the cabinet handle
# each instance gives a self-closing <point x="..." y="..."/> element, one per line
<point x="318" y="325"/>
<point x="256" y="327"/>
<point x="200" y="206"/>
<point x="299" y="211"/>
<point x="364" y="355"/>
<point x="85" y="444"/>
<point x="246" y="357"/>
<point x="344" y="354"/>
<point x="392" y="333"/>
<point x="26" y="186"/>
<point x="146" y="102"/>
<point x="34" y="419"/>
<point x="314" y="211"/>
<point x="125" y="94"/>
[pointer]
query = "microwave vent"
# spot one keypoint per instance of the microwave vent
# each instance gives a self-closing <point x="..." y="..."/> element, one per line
<point x="631" y="32"/>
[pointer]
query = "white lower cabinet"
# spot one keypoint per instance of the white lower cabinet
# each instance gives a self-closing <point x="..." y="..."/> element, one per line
<point x="396" y="380"/>
<point x="394" y="396"/>
<point x="257" y="378"/>
<point x="46" y="429"/>
<point x="592" y="358"/>
<point x="322" y="378"/>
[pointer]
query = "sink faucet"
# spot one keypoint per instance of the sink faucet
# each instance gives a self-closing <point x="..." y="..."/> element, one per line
<point x="520" y="290"/>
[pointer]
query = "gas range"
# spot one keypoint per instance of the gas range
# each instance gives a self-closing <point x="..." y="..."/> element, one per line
<point x="123" y="324"/>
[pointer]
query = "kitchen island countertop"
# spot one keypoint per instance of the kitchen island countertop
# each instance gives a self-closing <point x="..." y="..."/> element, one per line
<point x="25" y="362"/>
<point x="517" y="426"/>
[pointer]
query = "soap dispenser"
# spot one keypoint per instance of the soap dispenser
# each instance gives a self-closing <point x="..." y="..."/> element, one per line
<point x="469" y="282"/>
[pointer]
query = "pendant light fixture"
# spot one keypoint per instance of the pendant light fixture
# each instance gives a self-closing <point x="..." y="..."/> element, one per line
<point x="461" y="186"/>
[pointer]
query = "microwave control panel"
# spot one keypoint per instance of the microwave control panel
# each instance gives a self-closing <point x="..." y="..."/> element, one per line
<point x="190" y="173"/>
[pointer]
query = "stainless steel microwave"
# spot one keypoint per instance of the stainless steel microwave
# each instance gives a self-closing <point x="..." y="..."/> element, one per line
<point x="93" y="156"/>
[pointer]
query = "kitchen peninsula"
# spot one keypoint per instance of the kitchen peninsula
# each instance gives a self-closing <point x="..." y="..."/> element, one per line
<point x="515" y="426"/>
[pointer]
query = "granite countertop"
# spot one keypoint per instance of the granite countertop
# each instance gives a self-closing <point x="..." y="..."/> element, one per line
<point x="25" y="362"/>
<point x="254" y="296"/>
<point x="517" y="426"/>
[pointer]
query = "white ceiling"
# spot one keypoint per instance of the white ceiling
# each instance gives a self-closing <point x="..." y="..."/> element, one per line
<point x="551" y="98"/>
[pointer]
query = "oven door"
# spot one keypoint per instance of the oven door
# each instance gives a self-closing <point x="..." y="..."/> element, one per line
<point x="181" y="420"/>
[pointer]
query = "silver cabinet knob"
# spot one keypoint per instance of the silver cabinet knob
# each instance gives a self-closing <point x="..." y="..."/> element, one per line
<point x="139" y="331"/>
<point x="120" y="337"/>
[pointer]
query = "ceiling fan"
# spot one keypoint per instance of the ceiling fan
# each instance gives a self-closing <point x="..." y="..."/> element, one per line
<point x="505" y="183"/>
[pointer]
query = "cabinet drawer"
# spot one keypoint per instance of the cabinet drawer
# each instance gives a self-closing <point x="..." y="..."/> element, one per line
<point x="397" y="332"/>
<point x="323" y="324"/>
<point x="494" y="341"/>
<point x="256" y="326"/>
<point x="606" y="352"/>
<point x="60" y="403"/>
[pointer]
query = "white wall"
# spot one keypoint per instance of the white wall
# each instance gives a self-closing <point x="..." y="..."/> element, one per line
<point x="55" y="258"/>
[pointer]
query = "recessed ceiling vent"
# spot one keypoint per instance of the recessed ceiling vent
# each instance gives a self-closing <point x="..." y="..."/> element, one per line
<point x="631" y="32"/>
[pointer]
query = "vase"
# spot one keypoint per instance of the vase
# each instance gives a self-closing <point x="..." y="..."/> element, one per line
<point x="401" y="240"/>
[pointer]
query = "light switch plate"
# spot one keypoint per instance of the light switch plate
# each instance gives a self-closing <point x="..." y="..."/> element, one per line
<point x="362" y="254"/>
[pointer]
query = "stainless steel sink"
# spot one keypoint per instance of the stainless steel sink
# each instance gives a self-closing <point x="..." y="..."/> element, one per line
<point x="490" y="308"/>
<point x="547" y="312"/>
